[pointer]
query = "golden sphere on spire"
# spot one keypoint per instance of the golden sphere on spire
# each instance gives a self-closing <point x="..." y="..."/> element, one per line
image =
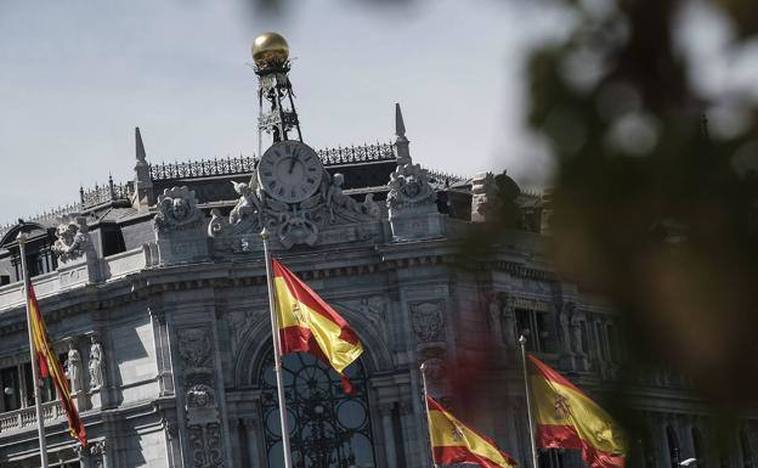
<point x="270" y="49"/>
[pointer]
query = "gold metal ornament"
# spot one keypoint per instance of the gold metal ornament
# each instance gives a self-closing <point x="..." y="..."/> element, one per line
<point x="270" y="49"/>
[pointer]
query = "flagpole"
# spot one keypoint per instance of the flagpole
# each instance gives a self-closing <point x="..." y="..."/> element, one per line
<point x="277" y="354"/>
<point x="532" y="440"/>
<point x="426" y="406"/>
<point x="22" y="238"/>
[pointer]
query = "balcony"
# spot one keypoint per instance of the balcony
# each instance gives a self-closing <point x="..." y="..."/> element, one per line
<point x="25" y="418"/>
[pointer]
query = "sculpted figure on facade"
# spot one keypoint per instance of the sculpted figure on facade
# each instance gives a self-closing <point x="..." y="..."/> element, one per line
<point x="74" y="368"/>
<point x="409" y="186"/>
<point x="564" y="318"/>
<point x="248" y="204"/>
<point x="291" y="221"/>
<point x="73" y="239"/>
<point x="177" y="210"/>
<point x="95" y="364"/>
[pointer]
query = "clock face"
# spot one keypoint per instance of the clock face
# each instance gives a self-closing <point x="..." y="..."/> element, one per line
<point x="290" y="171"/>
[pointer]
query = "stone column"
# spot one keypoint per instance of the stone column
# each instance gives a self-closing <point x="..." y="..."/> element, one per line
<point x="412" y="444"/>
<point x="390" y="452"/>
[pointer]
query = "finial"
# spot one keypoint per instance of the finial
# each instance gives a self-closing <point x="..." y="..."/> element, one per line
<point x="139" y="146"/>
<point x="402" y="150"/>
<point x="399" y="123"/>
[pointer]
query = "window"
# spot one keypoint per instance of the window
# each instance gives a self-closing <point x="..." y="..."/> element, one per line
<point x="535" y="325"/>
<point x="5" y="279"/>
<point x="38" y="261"/>
<point x="11" y="385"/>
<point x="113" y="240"/>
<point x="673" y="442"/>
<point x="327" y="427"/>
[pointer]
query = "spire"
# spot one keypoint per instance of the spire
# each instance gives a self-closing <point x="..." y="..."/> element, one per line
<point x="399" y="124"/>
<point x="139" y="146"/>
<point x="402" y="150"/>
<point x="143" y="183"/>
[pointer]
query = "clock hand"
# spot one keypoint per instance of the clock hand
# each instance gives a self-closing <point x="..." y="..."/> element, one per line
<point x="292" y="164"/>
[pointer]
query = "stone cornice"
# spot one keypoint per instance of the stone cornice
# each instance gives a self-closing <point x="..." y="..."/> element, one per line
<point x="349" y="263"/>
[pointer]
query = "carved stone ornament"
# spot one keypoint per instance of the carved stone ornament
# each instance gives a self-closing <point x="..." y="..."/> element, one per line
<point x="409" y="187"/>
<point x="428" y="322"/>
<point x="200" y="396"/>
<point x="290" y="223"/>
<point x="95" y="364"/>
<point x="177" y="209"/>
<point x="195" y="347"/>
<point x="205" y="445"/>
<point x="73" y="238"/>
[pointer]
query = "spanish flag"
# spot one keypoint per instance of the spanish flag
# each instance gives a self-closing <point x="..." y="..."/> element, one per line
<point x="453" y="442"/>
<point x="49" y="366"/>
<point x="567" y="418"/>
<point x="308" y="324"/>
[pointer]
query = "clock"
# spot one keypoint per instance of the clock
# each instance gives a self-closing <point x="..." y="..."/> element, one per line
<point x="290" y="171"/>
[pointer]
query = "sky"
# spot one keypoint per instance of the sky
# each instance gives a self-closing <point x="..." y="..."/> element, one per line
<point x="76" y="77"/>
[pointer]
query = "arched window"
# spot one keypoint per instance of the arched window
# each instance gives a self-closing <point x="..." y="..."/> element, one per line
<point x="747" y="452"/>
<point x="673" y="442"/>
<point x="327" y="428"/>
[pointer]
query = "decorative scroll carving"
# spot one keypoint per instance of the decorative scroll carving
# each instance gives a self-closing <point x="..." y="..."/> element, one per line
<point x="73" y="238"/>
<point x="409" y="187"/>
<point x="177" y="209"/>
<point x="205" y="443"/>
<point x="202" y="415"/>
<point x="428" y="322"/>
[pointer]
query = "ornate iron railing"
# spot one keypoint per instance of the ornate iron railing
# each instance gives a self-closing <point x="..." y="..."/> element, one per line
<point x="49" y="215"/>
<point x="100" y="194"/>
<point x="246" y="164"/>
<point x="357" y="154"/>
<point x="443" y="178"/>
<point x="203" y="168"/>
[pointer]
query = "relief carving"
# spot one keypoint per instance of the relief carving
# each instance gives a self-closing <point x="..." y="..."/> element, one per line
<point x="177" y="210"/>
<point x="409" y="187"/>
<point x="290" y="223"/>
<point x="73" y="239"/>
<point x="195" y="347"/>
<point x="200" y="403"/>
<point x="428" y="322"/>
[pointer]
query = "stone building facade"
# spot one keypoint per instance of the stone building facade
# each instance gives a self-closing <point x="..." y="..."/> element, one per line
<point x="154" y="291"/>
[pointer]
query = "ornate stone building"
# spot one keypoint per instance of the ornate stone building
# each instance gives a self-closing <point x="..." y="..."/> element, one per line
<point x="155" y="293"/>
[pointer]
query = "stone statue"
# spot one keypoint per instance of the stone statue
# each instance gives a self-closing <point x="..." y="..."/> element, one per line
<point x="73" y="368"/>
<point x="248" y="203"/>
<point x="95" y="364"/>
<point x="370" y="207"/>
<point x="335" y="199"/>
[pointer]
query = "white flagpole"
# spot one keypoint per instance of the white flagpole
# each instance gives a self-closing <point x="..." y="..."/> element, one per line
<point x="22" y="238"/>
<point x="277" y="354"/>
<point x="532" y="441"/>
<point x="426" y="406"/>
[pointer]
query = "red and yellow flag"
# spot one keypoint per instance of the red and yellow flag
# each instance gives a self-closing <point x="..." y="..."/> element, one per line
<point x="567" y="418"/>
<point x="453" y="442"/>
<point x="48" y="364"/>
<point x="310" y="325"/>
